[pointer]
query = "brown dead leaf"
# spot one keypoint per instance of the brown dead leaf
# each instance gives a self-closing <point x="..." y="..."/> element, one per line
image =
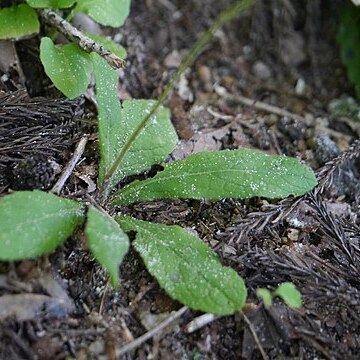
<point x="212" y="140"/>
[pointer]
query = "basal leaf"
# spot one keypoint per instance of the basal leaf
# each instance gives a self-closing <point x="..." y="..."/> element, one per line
<point x="154" y="144"/>
<point x="35" y="222"/>
<point x="67" y="66"/>
<point x="109" y="44"/>
<point x="117" y="124"/>
<point x="109" y="113"/>
<point x="186" y="267"/>
<point x="289" y="294"/>
<point x="223" y="174"/>
<point x="55" y="4"/>
<point x="107" y="242"/>
<point x="18" y="21"/>
<point x="106" y="12"/>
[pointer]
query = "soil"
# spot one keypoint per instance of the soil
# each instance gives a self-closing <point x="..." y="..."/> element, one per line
<point x="268" y="81"/>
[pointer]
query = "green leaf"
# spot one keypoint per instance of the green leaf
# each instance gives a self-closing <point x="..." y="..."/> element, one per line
<point x="348" y="38"/>
<point x="186" y="267"/>
<point x="55" y="4"/>
<point x="68" y="67"/>
<point x="18" y="21"/>
<point x="109" y="44"/>
<point x="35" y="222"/>
<point x="109" y="113"/>
<point x="106" y="12"/>
<point x="107" y="242"/>
<point x="154" y="144"/>
<point x="290" y="295"/>
<point x="223" y="174"/>
<point x="265" y="296"/>
<point x="117" y="124"/>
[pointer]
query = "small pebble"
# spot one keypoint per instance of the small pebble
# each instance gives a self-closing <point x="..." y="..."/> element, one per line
<point x="293" y="234"/>
<point x="300" y="87"/>
<point x="261" y="70"/>
<point x="172" y="60"/>
<point x="205" y="76"/>
<point x="271" y="120"/>
<point x="326" y="149"/>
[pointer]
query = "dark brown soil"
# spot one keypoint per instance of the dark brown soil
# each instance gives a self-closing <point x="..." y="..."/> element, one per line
<point x="280" y="53"/>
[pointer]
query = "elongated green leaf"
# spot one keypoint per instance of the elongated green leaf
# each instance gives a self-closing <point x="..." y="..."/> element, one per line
<point x="18" y="21"/>
<point x="35" y="222"/>
<point x="67" y="66"/>
<point x="108" y="44"/>
<point x="289" y="294"/>
<point x="109" y="114"/>
<point x="186" y="268"/>
<point x="107" y="242"/>
<point x="55" y="4"/>
<point x="117" y="124"/>
<point x="223" y="174"/>
<point x="106" y="12"/>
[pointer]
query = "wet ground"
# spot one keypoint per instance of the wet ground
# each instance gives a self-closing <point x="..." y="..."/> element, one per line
<point x="270" y="80"/>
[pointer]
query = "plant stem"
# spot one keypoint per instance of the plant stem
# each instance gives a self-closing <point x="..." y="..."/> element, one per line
<point x="222" y="19"/>
<point x="77" y="37"/>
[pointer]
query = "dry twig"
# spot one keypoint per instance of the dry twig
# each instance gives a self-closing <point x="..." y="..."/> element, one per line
<point x="256" y="338"/>
<point x="258" y="105"/>
<point x="325" y="174"/>
<point x="151" y="333"/>
<point x="335" y="231"/>
<point x="70" y="166"/>
<point x="34" y="126"/>
<point x="77" y="37"/>
<point x="200" y="322"/>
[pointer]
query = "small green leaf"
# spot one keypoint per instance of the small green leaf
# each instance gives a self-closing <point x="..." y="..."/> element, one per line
<point x="290" y="295"/>
<point x="18" y="21"/>
<point x="265" y="296"/>
<point x="107" y="242"/>
<point x="223" y="174"/>
<point x="186" y="267"/>
<point x="117" y="124"/>
<point x="109" y="44"/>
<point x="35" y="222"/>
<point x="109" y="12"/>
<point x="68" y="67"/>
<point x="54" y="4"/>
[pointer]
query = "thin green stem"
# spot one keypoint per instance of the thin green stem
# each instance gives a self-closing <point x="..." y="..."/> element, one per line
<point x="222" y="19"/>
